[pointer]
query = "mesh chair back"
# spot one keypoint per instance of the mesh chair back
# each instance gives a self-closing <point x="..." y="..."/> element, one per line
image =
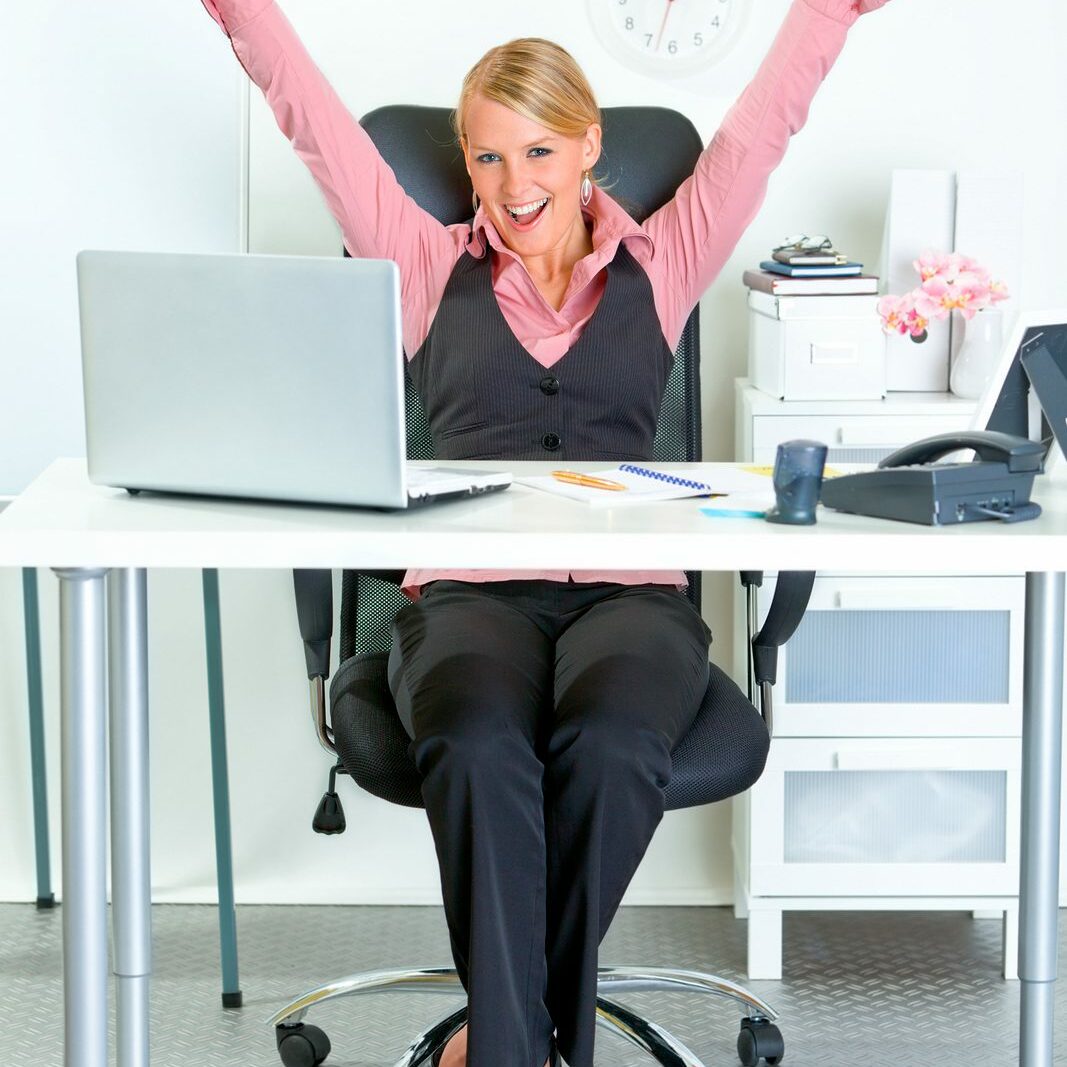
<point x="647" y="153"/>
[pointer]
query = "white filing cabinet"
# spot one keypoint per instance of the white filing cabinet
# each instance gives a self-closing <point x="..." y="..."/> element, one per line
<point x="893" y="777"/>
<point x="856" y="431"/>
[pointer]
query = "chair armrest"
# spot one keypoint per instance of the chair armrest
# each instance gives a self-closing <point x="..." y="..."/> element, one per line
<point x="791" y="595"/>
<point x="314" y="612"/>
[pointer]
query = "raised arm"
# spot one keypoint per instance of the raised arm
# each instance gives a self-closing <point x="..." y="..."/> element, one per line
<point x="377" y="218"/>
<point x="695" y="233"/>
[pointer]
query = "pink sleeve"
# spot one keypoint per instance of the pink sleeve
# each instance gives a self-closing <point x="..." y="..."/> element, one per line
<point x="377" y="218"/>
<point x="695" y="233"/>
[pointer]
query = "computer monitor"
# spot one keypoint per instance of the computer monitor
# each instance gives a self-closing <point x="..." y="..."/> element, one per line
<point x="1027" y="394"/>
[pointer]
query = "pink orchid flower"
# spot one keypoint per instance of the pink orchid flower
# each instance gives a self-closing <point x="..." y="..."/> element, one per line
<point x="890" y="313"/>
<point x="900" y="315"/>
<point x="930" y="264"/>
<point x="949" y="282"/>
<point x="914" y="320"/>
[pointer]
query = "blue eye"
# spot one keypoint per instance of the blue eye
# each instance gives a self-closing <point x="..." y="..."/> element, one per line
<point x="492" y="157"/>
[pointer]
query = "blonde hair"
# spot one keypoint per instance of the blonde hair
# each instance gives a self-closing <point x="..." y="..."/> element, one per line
<point x="538" y="79"/>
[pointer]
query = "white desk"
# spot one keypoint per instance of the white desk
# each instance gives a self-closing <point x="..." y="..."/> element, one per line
<point x="82" y="531"/>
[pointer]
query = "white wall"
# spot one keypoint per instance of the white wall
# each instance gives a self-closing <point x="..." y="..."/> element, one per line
<point x="142" y="153"/>
<point x="120" y="131"/>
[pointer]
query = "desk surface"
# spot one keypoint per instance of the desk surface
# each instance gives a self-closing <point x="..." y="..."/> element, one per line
<point x="62" y="520"/>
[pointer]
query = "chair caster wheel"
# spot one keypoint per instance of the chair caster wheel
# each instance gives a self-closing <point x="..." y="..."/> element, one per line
<point x="302" y="1045"/>
<point x="758" y="1040"/>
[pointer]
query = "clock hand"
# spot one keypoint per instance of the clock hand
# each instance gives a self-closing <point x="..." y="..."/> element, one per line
<point x="663" y="24"/>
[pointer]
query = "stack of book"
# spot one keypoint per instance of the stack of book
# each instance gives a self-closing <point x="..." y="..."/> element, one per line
<point x="822" y="272"/>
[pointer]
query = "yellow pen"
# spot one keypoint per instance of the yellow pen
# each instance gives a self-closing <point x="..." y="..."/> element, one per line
<point x="574" y="478"/>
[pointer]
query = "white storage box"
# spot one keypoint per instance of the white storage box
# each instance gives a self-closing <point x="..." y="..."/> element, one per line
<point x="816" y="347"/>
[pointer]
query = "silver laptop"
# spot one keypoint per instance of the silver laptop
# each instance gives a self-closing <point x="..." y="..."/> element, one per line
<point x="273" y="377"/>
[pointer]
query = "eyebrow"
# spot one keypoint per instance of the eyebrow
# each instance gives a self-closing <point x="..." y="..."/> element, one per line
<point x="532" y="144"/>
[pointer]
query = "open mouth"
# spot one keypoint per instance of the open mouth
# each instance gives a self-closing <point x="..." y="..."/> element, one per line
<point x="525" y="216"/>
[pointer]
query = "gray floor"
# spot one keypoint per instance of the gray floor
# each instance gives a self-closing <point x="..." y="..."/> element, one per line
<point x="883" y="990"/>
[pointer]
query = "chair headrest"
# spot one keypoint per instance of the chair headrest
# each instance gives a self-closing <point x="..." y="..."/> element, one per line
<point x="647" y="152"/>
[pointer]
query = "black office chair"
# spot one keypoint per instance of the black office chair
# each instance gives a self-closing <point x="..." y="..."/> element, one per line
<point x="648" y="153"/>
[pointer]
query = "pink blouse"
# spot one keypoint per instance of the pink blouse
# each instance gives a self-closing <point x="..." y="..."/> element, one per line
<point x="681" y="247"/>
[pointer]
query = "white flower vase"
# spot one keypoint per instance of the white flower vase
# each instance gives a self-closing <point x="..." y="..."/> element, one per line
<point x="978" y="354"/>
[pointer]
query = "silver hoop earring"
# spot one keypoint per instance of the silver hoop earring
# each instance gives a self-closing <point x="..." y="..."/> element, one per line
<point x="586" y="191"/>
<point x="475" y="201"/>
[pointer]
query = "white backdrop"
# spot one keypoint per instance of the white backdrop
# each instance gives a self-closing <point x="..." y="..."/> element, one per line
<point x="129" y="135"/>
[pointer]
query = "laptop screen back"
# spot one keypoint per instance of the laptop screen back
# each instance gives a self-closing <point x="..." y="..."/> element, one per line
<point x="278" y="377"/>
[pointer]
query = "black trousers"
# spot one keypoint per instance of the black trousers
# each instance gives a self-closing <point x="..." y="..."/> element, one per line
<point x="542" y="718"/>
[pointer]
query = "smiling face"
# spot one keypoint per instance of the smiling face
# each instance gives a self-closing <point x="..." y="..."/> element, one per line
<point x="528" y="177"/>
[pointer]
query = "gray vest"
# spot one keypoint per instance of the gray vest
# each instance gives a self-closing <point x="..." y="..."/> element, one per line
<point x="486" y="397"/>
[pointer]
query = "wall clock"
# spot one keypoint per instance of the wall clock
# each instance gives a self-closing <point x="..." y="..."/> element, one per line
<point x="667" y="37"/>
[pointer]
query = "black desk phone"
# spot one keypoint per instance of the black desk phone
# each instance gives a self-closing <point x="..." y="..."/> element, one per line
<point x="910" y="485"/>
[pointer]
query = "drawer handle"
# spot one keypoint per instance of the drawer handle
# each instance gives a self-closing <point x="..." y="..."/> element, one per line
<point x="920" y="759"/>
<point x="874" y="434"/>
<point x="904" y="759"/>
<point x="885" y="599"/>
<point x="833" y="355"/>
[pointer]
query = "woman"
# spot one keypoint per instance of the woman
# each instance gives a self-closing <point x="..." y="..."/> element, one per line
<point x="542" y="706"/>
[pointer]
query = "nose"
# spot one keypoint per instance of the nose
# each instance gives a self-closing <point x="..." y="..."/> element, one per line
<point x="517" y="182"/>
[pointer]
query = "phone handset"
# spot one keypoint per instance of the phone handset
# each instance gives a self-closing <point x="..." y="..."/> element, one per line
<point x="991" y="446"/>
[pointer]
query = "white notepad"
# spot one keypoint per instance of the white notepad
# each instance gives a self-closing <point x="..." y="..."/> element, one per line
<point x="646" y="484"/>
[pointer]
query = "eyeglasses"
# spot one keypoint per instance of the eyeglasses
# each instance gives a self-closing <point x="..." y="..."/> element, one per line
<point x="802" y="242"/>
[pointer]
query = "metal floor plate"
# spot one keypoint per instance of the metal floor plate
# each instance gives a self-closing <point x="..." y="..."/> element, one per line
<point x="879" y="989"/>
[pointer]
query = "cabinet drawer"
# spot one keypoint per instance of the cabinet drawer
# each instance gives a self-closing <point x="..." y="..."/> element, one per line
<point x="849" y="438"/>
<point x="878" y="656"/>
<point x="886" y="817"/>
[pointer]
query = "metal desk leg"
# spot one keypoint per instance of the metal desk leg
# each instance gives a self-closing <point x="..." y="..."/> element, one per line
<point x="220" y="782"/>
<point x="83" y="727"/>
<point x="1039" y="874"/>
<point x="131" y="892"/>
<point x="39" y="777"/>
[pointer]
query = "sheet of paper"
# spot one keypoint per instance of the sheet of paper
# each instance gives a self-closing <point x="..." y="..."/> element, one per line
<point x="641" y="489"/>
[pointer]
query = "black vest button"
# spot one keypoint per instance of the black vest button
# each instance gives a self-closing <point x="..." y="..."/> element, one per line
<point x="550" y="441"/>
<point x="550" y="386"/>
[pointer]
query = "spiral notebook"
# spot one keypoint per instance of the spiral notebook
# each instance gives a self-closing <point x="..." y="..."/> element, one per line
<point x="646" y="484"/>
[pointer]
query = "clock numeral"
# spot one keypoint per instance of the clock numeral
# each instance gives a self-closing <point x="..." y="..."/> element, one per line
<point x="623" y="24"/>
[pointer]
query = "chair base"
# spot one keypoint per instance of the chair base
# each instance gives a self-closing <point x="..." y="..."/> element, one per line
<point x="758" y="1037"/>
